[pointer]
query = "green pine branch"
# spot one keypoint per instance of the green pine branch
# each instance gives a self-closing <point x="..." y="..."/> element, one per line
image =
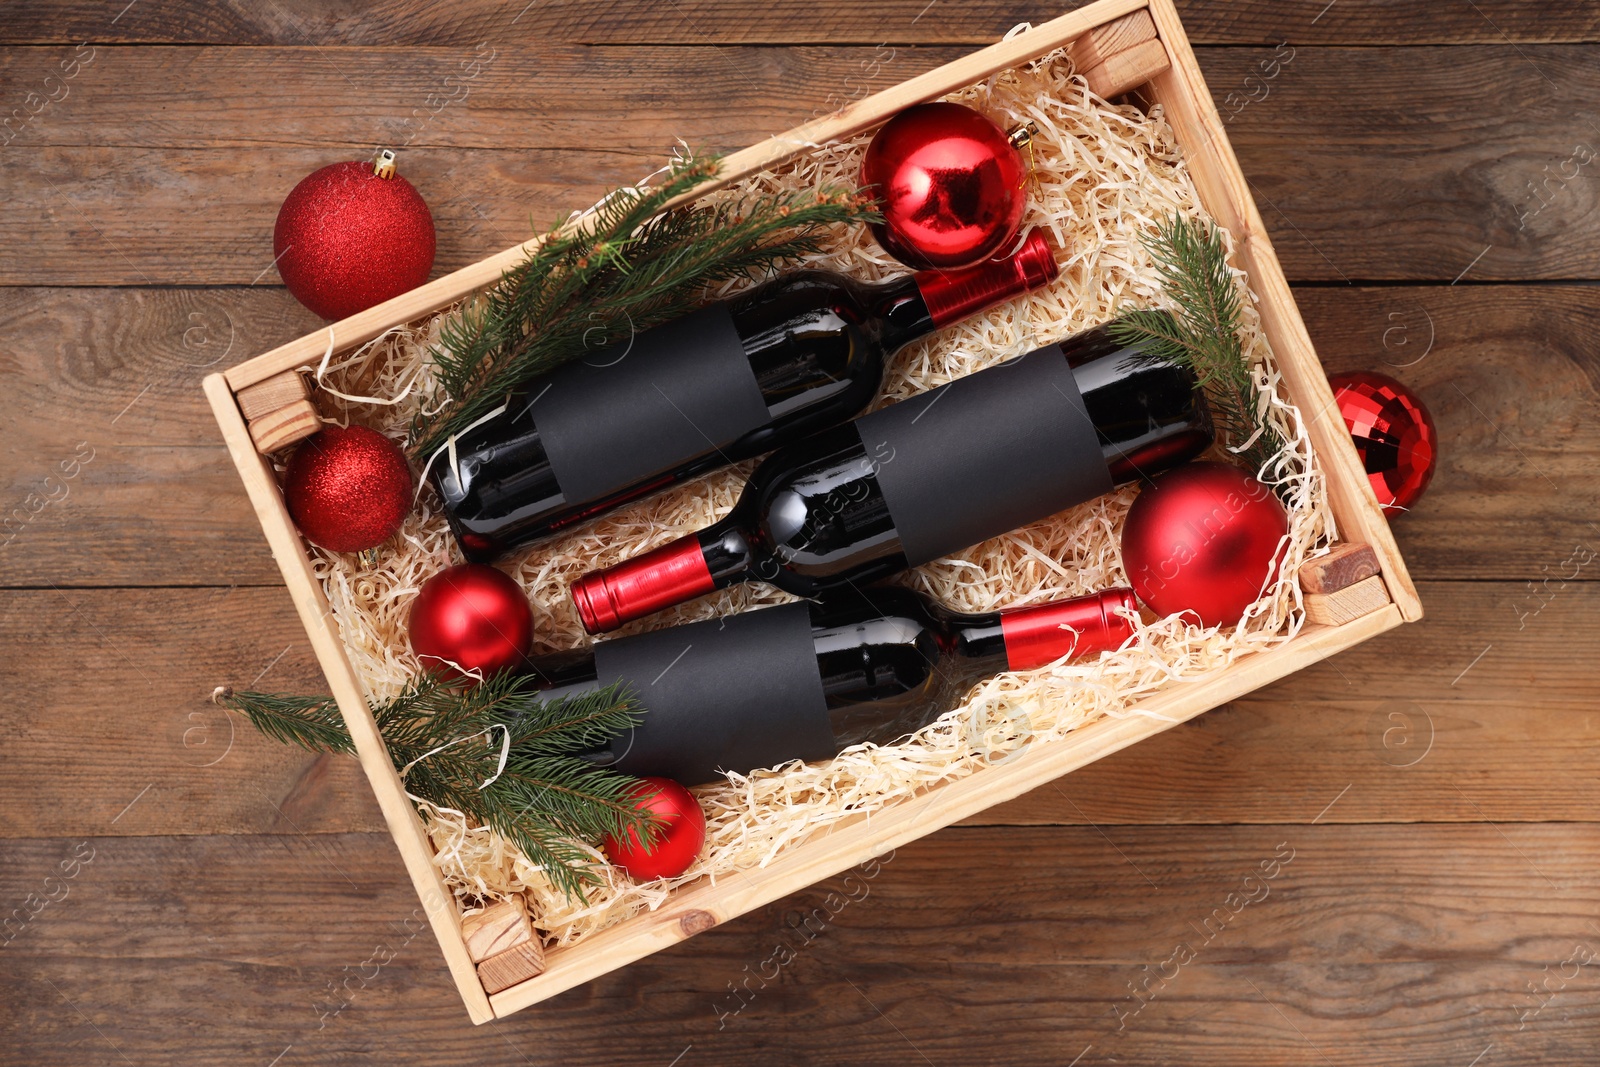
<point x="631" y="265"/>
<point x="1205" y="334"/>
<point x="547" y="800"/>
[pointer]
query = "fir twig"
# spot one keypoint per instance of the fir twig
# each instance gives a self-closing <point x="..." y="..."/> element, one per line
<point x="1205" y="334"/>
<point x="631" y="265"/>
<point x="446" y="743"/>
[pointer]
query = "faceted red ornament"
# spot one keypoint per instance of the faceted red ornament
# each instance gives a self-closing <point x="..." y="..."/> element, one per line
<point x="347" y="239"/>
<point x="950" y="183"/>
<point x="683" y="832"/>
<point x="472" y="620"/>
<point x="1204" y="538"/>
<point x="348" y="489"/>
<point x="1394" y="435"/>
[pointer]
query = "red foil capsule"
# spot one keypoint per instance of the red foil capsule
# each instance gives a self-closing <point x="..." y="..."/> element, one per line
<point x="638" y="587"/>
<point x="1082" y="626"/>
<point x="952" y="295"/>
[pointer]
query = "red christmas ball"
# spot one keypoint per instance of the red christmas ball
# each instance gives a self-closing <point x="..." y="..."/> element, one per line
<point x="1394" y="435"/>
<point x="472" y="620"/>
<point x="682" y="832"/>
<point x="1203" y="538"/>
<point x="347" y="239"/>
<point x="950" y="185"/>
<point x="348" y="489"/>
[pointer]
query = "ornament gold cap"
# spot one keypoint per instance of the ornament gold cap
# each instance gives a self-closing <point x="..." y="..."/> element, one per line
<point x="1022" y="134"/>
<point x="383" y="164"/>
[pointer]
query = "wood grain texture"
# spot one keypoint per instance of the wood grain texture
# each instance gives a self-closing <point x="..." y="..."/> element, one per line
<point x="1341" y="606"/>
<point x="108" y="708"/>
<point x="419" y="23"/>
<point x="1372" y="945"/>
<point x="1343" y="565"/>
<point x="1127" y="70"/>
<point x="1355" y="198"/>
<point x="1519" y="725"/>
<point x="1103" y="42"/>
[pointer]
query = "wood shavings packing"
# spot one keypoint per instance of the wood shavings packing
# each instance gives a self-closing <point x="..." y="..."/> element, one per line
<point x="1104" y="177"/>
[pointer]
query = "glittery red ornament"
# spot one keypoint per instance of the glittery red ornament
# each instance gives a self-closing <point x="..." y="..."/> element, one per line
<point x="682" y="833"/>
<point x="950" y="184"/>
<point x="1203" y="538"/>
<point x="347" y="239"/>
<point x="1394" y="435"/>
<point x="471" y="619"/>
<point x="348" y="489"/>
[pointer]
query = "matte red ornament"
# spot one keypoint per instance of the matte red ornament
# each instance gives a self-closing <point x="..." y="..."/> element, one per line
<point x="1203" y="538"/>
<point x="348" y="239"/>
<point x="348" y="489"/>
<point x="1394" y="435"/>
<point x="950" y="183"/>
<point x="682" y="832"/>
<point x="471" y="620"/>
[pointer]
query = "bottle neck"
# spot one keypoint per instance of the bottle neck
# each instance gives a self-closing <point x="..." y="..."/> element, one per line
<point x="1041" y="634"/>
<point x="953" y="295"/>
<point x="1026" y="638"/>
<point x="714" y="558"/>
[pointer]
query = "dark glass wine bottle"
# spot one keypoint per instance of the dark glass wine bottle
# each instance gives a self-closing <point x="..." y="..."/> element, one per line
<point x="928" y="476"/>
<point x="805" y="680"/>
<point x="733" y="380"/>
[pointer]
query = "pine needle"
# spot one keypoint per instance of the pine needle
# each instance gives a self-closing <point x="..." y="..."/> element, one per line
<point x="630" y="266"/>
<point x="1204" y="334"/>
<point x="446" y="742"/>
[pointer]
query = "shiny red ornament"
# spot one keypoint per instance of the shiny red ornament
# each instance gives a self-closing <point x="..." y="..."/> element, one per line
<point x="347" y="239"/>
<point x="950" y="183"/>
<point x="472" y="621"/>
<point x="1203" y="538"/>
<point x="1394" y="435"/>
<point x="348" y="489"/>
<point x="682" y="832"/>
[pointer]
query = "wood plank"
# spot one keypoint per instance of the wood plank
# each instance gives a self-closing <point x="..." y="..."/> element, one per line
<point x="1413" y="944"/>
<point x="109" y="717"/>
<point x="114" y="376"/>
<point x="1519" y="722"/>
<point x="1483" y="711"/>
<point x="416" y="23"/>
<point x="1505" y="370"/>
<point x="1352" y="201"/>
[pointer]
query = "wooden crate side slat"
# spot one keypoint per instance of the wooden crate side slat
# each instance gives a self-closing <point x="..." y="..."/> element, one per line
<point x="1224" y="191"/>
<point x="405" y="826"/>
<point x="854" y="841"/>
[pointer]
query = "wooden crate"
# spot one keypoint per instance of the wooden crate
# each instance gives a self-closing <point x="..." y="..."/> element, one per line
<point x="1121" y="50"/>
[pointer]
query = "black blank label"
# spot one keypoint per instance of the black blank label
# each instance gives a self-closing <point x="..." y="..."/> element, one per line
<point x="985" y="454"/>
<point x="620" y="416"/>
<point x="736" y="694"/>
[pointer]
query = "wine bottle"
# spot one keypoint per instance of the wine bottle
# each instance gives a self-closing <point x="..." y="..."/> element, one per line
<point x="805" y="680"/>
<point x="733" y="380"/>
<point x="928" y="476"/>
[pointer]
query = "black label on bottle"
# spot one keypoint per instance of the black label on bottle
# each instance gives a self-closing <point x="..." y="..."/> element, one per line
<point x="622" y="415"/>
<point x="985" y="454"/>
<point x="736" y="694"/>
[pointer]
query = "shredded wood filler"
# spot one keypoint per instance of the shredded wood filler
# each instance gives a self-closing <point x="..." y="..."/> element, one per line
<point x="1103" y="176"/>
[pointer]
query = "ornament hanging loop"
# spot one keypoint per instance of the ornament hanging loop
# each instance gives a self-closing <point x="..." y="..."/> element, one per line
<point x="1020" y="135"/>
<point x="383" y="164"/>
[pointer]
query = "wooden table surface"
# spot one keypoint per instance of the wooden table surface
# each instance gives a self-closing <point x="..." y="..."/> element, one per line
<point x="187" y="892"/>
